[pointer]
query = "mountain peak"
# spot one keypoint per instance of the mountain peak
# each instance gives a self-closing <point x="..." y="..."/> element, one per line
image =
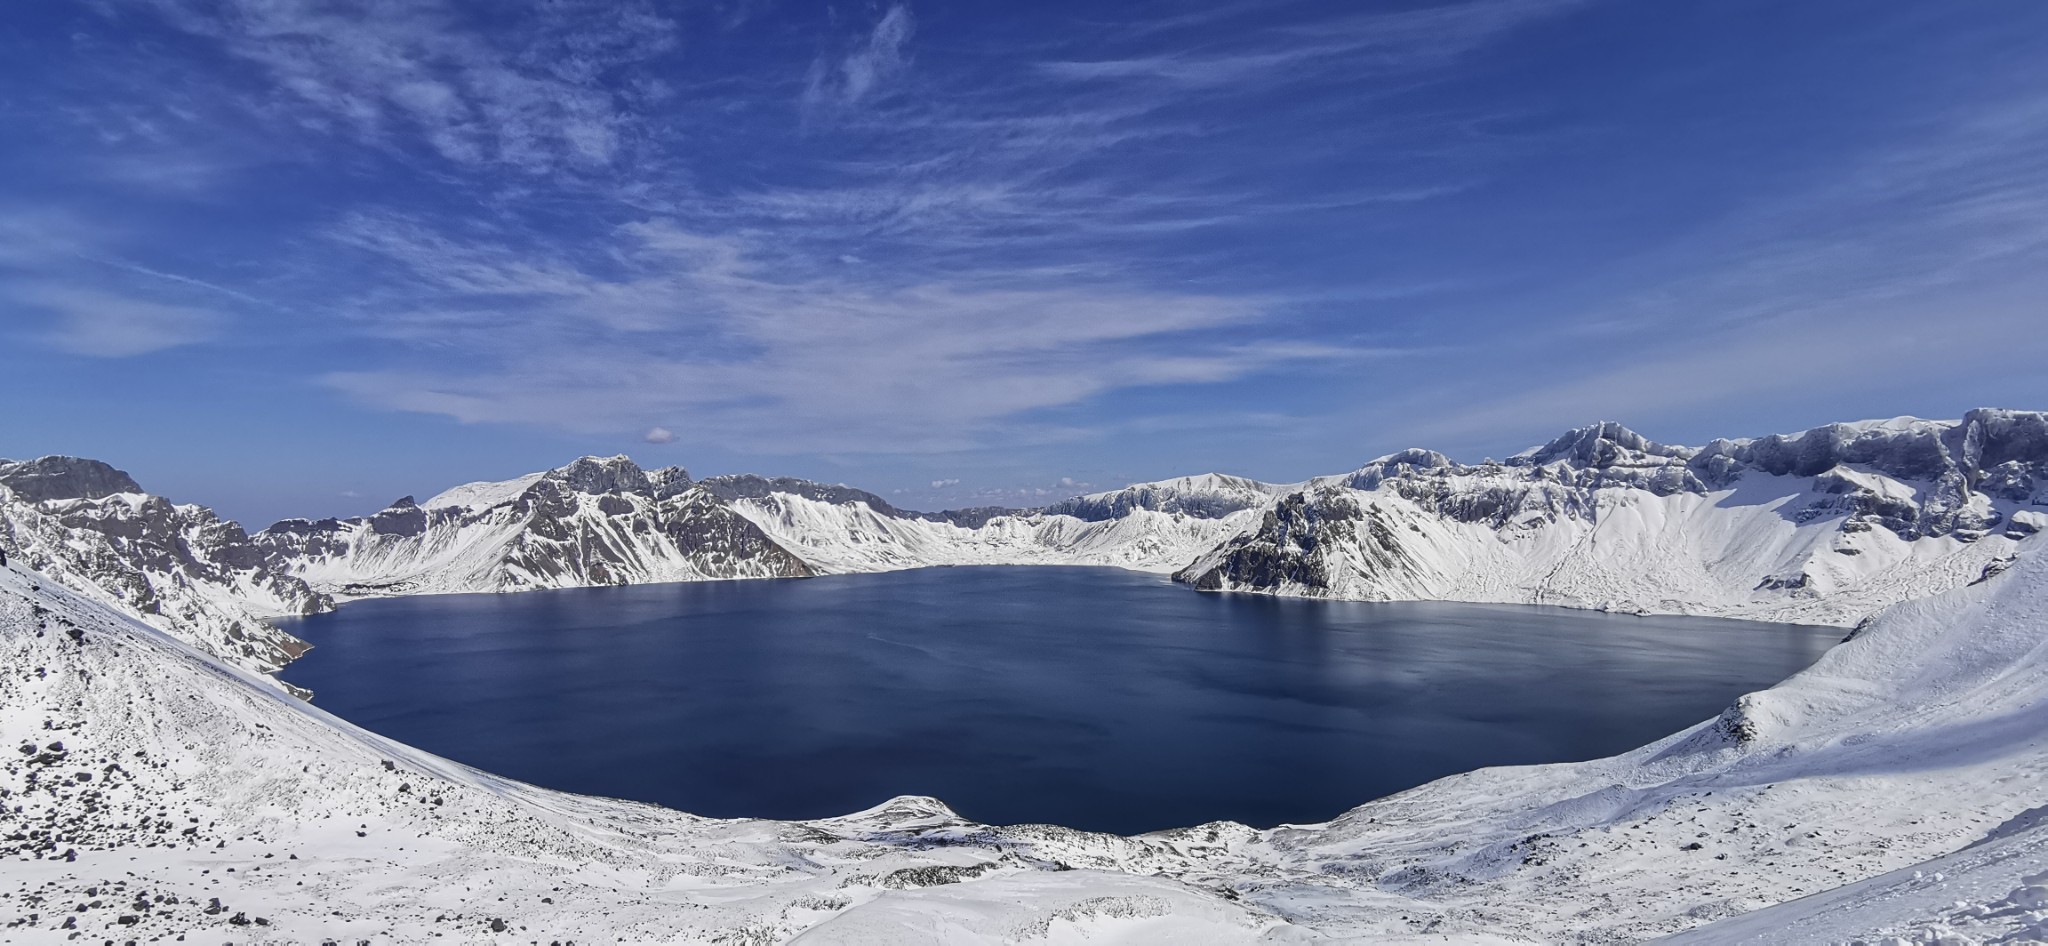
<point x="61" y="477"/>
<point x="603" y="475"/>
<point x="1598" y="444"/>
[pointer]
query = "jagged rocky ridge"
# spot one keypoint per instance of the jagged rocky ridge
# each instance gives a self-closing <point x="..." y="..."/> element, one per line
<point x="604" y="521"/>
<point x="181" y="568"/>
<point x="592" y="522"/>
<point x="1828" y="525"/>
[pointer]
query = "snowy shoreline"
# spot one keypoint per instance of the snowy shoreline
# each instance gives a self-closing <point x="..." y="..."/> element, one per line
<point x="1850" y="770"/>
<point x="165" y="783"/>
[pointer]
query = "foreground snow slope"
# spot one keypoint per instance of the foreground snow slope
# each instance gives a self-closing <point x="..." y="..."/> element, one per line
<point x="151" y="781"/>
<point x="1924" y="735"/>
<point x="157" y="792"/>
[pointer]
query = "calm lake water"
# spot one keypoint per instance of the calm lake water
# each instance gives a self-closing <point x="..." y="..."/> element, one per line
<point x="1094" y="698"/>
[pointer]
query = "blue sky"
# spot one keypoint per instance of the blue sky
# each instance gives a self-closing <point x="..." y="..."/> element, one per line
<point x="299" y="257"/>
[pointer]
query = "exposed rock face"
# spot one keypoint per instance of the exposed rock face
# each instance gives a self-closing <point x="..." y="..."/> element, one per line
<point x="596" y="521"/>
<point x="669" y="481"/>
<point x="1150" y="526"/>
<point x="746" y="486"/>
<point x="1826" y="524"/>
<point x="181" y="568"/>
<point x="1209" y="496"/>
<point x="64" y="478"/>
<point x="749" y="486"/>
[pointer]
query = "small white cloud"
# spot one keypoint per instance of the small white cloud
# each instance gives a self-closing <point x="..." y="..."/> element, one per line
<point x="942" y="484"/>
<point x="659" y="435"/>
<point x="350" y="494"/>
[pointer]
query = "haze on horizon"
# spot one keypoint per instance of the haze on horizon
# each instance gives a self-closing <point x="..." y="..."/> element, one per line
<point x="299" y="257"/>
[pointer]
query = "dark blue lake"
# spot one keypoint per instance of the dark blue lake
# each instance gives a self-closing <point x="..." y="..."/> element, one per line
<point x="1094" y="698"/>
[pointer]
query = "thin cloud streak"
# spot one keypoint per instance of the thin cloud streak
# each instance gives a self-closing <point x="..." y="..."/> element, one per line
<point x="377" y="69"/>
<point x="863" y="72"/>
<point x="1375" y="43"/>
<point x="818" y="364"/>
<point x="110" y="325"/>
<point x="1916" y="260"/>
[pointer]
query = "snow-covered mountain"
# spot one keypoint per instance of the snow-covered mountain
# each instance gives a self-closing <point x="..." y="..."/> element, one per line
<point x="186" y="571"/>
<point x="604" y="521"/>
<point x="1150" y="526"/>
<point x="1206" y="496"/>
<point x="1828" y="525"/>
<point x="1824" y="526"/>
<point x="157" y="792"/>
<point x="596" y="521"/>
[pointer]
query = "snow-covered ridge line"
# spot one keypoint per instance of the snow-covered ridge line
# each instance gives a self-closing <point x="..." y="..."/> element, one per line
<point x="1828" y="525"/>
<point x="596" y="521"/>
<point x="1825" y="526"/>
<point x="168" y="793"/>
<point x="603" y="520"/>
<point x="182" y="569"/>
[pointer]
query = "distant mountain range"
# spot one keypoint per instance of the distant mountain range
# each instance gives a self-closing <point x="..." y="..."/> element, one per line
<point x="1827" y="526"/>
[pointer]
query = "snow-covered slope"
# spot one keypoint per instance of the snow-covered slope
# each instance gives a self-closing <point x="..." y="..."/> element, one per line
<point x="1825" y="526"/>
<point x="91" y="528"/>
<point x="1924" y="735"/>
<point x="1151" y="527"/>
<point x="597" y="521"/>
<point x="158" y="791"/>
<point x="158" y="794"/>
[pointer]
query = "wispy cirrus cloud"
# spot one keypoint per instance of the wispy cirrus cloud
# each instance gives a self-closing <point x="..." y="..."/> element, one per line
<point x="1289" y="51"/>
<point x="1917" y="266"/>
<point x="72" y="290"/>
<point x="863" y="71"/>
<point x="103" y="324"/>
<point x="688" y="326"/>
<point x="558" y="219"/>
<point x="390" y="72"/>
